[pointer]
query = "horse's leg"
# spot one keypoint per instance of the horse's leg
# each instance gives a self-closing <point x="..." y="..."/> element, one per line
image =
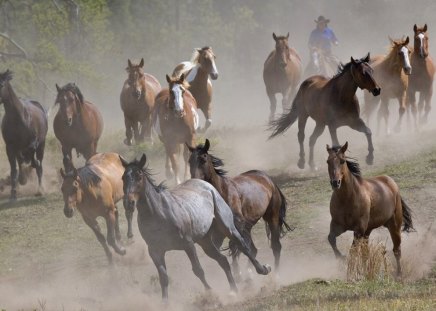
<point x="38" y="166"/>
<point x="334" y="135"/>
<point x="117" y="226"/>
<point x="196" y="266"/>
<point x="235" y="252"/>
<point x="395" y="231"/>
<point x="111" y="240"/>
<point x="383" y="113"/>
<point x="302" y="120"/>
<point x="319" y="128"/>
<point x="173" y="155"/>
<point x="411" y="102"/>
<point x="186" y="154"/>
<point x="428" y="95"/>
<point x="136" y="136"/>
<point x="129" y="133"/>
<point x="286" y="100"/>
<point x="213" y="252"/>
<point x="129" y="217"/>
<point x="401" y="110"/>
<point x="359" y="125"/>
<point x="272" y="106"/>
<point x="14" y="176"/>
<point x="93" y="224"/>
<point x="68" y="158"/>
<point x="22" y="172"/>
<point x="335" y="231"/>
<point x="158" y="257"/>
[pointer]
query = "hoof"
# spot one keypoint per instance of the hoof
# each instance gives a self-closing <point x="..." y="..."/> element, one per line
<point x="370" y="159"/>
<point x="267" y="269"/>
<point x="121" y="251"/>
<point x="301" y="164"/>
<point x="13" y="198"/>
<point x="128" y="142"/>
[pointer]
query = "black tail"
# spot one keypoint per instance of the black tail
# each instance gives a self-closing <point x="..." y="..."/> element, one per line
<point x="284" y="227"/>
<point x="407" y="217"/>
<point x="281" y="124"/>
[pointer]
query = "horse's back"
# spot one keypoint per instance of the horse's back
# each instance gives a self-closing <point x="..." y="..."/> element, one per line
<point x="39" y="114"/>
<point x="153" y="83"/>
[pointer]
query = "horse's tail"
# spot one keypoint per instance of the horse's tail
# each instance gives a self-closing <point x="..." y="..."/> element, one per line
<point x="407" y="217"/>
<point x="283" y="225"/>
<point x="281" y="124"/>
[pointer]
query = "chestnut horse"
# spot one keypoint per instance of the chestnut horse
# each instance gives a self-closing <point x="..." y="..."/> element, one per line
<point x="137" y="102"/>
<point x="251" y="195"/>
<point x="330" y="102"/>
<point x="421" y="79"/>
<point x="78" y="123"/>
<point x="391" y="72"/>
<point x="364" y="204"/>
<point x="197" y="73"/>
<point x="281" y="73"/>
<point x="24" y="129"/>
<point x="94" y="191"/>
<point x="175" y="121"/>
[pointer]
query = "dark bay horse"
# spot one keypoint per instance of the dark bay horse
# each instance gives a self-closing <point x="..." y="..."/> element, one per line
<point x="24" y="129"/>
<point x="197" y="73"/>
<point x="330" y="102"/>
<point x="364" y="204"/>
<point x="421" y="79"/>
<point x="192" y="212"/>
<point x="137" y="102"/>
<point x="251" y="195"/>
<point x="78" y="123"/>
<point x="391" y="72"/>
<point x="94" y="191"/>
<point x="175" y="121"/>
<point x="281" y="73"/>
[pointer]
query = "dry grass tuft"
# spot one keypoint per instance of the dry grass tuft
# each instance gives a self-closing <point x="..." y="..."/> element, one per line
<point x="207" y="301"/>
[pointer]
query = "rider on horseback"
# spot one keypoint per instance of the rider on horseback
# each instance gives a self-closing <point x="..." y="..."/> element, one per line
<point x="320" y="41"/>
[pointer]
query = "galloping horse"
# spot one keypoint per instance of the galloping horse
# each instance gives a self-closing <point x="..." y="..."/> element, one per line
<point x="421" y="79"/>
<point x="251" y="195"/>
<point x="364" y="204"/>
<point x="281" y="73"/>
<point x="330" y="102"/>
<point x="197" y="73"/>
<point x="321" y="64"/>
<point x="78" y="123"/>
<point x="24" y="128"/>
<point x="94" y="190"/>
<point x="137" y="102"/>
<point x="193" y="212"/>
<point x="391" y="72"/>
<point x="175" y="121"/>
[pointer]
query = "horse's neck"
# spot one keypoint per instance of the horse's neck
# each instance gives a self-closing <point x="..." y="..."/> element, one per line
<point x="392" y="63"/>
<point x="13" y="105"/>
<point x="201" y="77"/>
<point x="346" y="86"/>
<point x="152" y="200"/>
<point x="219" y="182"/>
<point x="348" y="185"/>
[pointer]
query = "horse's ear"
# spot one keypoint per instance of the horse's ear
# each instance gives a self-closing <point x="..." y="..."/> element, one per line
<point x="353" y="60"/>
<point x="191" y="149"/>
<point x="206" y="145"/>
<point x="129" y="63"/>
<point x="415" y="28"/>
<point x="327" y="147"/>
<point x="58" y="88"/>
<point x="62" y="173"/>
<point x="407" y="41"/>
<point x="142" y="161"/>
<point x="168" y="78"/>
<point x="367" y="58"/>
<point x="182" y="78"/>
<point x="141" y="63"/>
<point x="391" y="40"/>
<point x="425" y="28"/>
<point x="123" y="161"/>
<point x="274" y="36"/>
<point x="344" y="147"/>
<point x="287" y="36"/>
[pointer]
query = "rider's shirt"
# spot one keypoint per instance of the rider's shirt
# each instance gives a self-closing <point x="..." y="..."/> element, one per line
<point x="322" y="39"/>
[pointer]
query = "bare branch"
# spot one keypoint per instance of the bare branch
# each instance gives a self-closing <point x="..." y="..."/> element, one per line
<point x="10" y="40"/>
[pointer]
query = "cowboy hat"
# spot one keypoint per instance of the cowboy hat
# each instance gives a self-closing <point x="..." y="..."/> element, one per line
<point x="322" y="19"/>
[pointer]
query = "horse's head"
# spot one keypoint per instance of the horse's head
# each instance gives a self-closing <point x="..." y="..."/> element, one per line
<point x="336" y="164"/>
<point x="136" y="76"/>
<point x="282" y="49"/>
<point x="206" y="59"/>
<point x="71" y="191"/>
<point x="403" y="52"/>
<point x="202" y="164"/>
<point x="362" y="74"/>
<point x="177" y="88"/>
<point x="70" y="100"/>
<point x="133" y="181"/>
<point x="421" y="40"/>
<point x="5" y="77"/>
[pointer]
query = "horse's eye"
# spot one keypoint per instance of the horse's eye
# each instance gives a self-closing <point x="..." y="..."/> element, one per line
<point x="75" y="184"/>
<point x="342" y="161"/>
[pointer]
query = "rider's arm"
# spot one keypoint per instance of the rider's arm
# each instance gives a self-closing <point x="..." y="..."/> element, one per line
<point x="333" y="38"/>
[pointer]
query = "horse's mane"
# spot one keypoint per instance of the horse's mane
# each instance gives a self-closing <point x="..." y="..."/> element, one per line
<point x="196" y="54"/>
<point x="342" y="68"/>
<point x="72" y="87"/>
<point x="149" y="175"/>
<point x="216" y="162"/>
<point x="88" y="176"/>
<point x="6" y="76"/>
<point x="352" y="163"/>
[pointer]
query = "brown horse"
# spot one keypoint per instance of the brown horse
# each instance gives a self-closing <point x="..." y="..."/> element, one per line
<point x="94" y="190"/>
<point x="330" y="102"/>
<point x="391" y="72"/>
<point x="175" y="121"/>
<point x="364" y="204"/>
<point x="137" y="102"/>
<point x="251" y="195"/>
<point x="421" y="79"/>
<point x="281" y="73"/>
<point x="78" y="123"/>
<point x="24" y="128"/>
<point x="197" y="73"/>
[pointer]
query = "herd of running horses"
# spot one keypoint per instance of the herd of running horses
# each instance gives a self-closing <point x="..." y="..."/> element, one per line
<point x="212" y="206"/>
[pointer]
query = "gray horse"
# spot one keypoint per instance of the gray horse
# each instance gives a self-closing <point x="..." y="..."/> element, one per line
<point x="192" y="212"/>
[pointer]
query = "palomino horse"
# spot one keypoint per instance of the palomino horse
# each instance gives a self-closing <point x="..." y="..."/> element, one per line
<point x="421" y="79"/>
<point x="321" y="64"/>
<point x="197" y="73"/>
<point x="391" y="72"/>
<point x="364" y="204"/>
<point x="94" y="190"/>
<point x="175" y="122"/>
<point x="24" y="128"/>
<point x="281" y="73"/>
<point x="78" y="123"/>
<point x="137" y="102"/>
<point x="330" y="102"/>
<point x="251" y="195"/>
<point x="193" y="212"/>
